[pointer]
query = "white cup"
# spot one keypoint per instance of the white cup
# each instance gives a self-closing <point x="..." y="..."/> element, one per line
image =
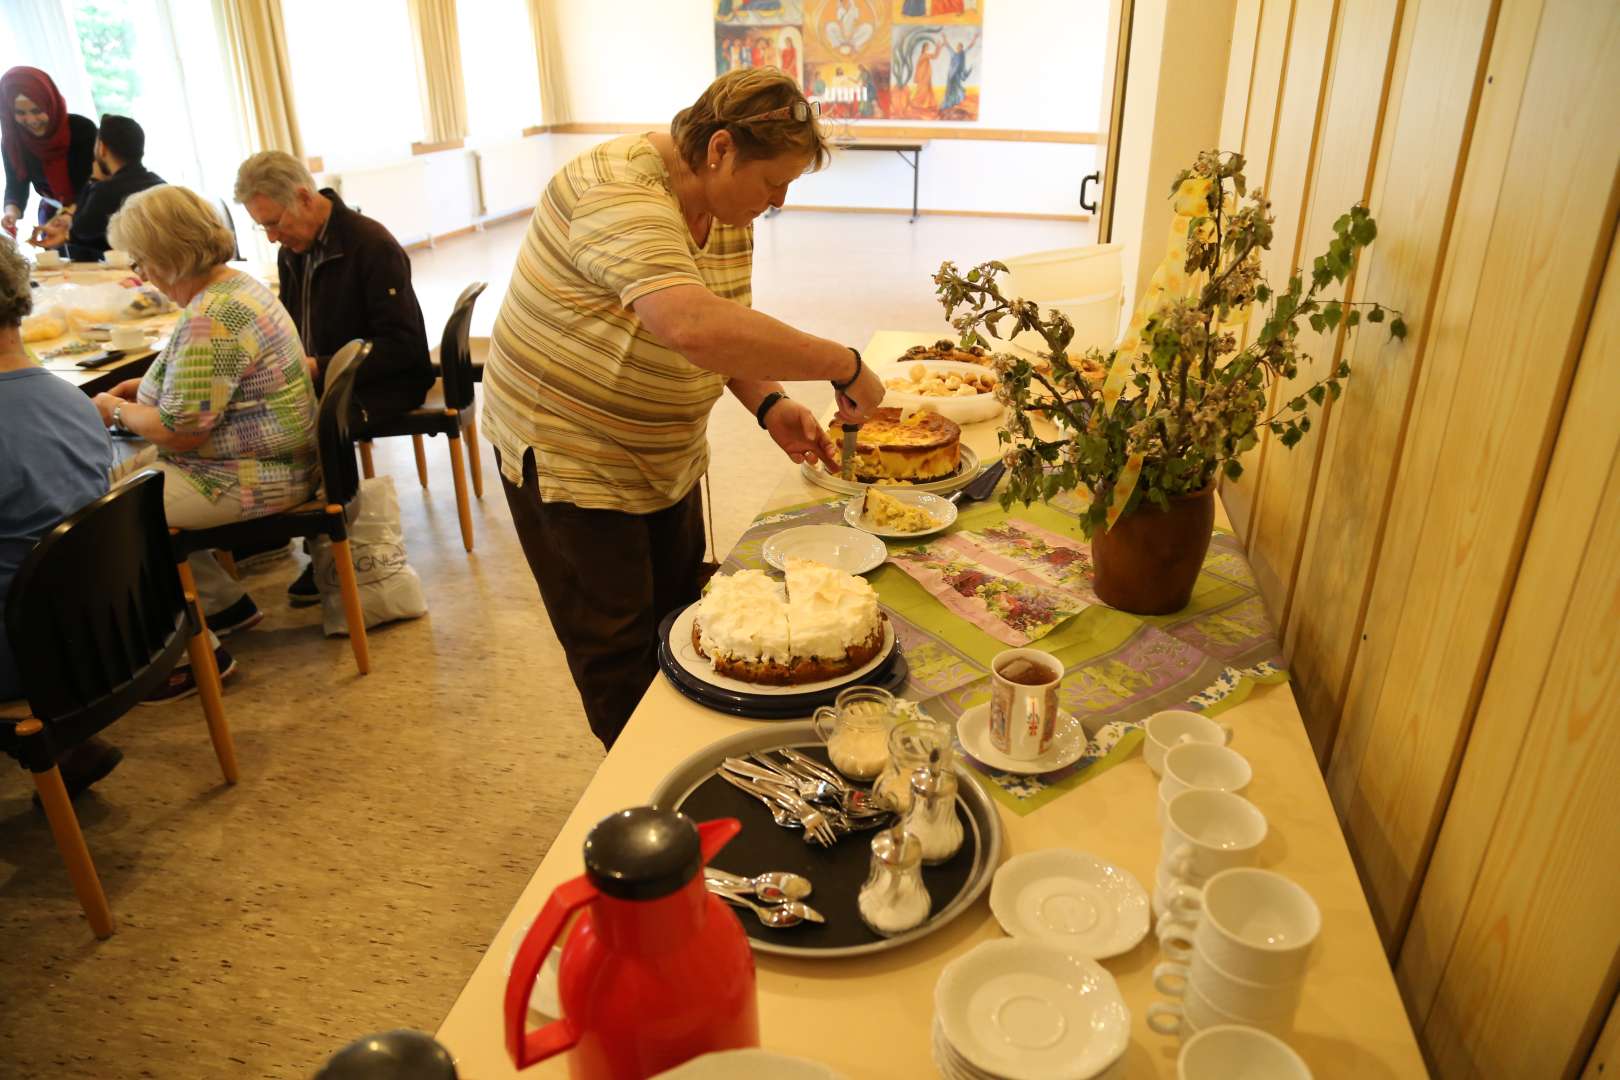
<point x="126" y="337"/>
<point x="1250" y="1002"/>
<point x="1207" y="831"/>
<point x="1023" y="715"/>
<point x="1201" y="765"/>
<point x="1190" y="1013"/>
<point x="117" y="258"/>
<point x="47" y="258"/>
<point x="1253" y="924"/>
<point x="1172" y="727"/>
<point x="1227" y="1050"/>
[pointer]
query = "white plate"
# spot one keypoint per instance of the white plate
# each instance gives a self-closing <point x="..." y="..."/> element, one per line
<point x="1068" y="744"/>
<point x="1070" y="899"/>
<point x="964" y="410"/>
<point x="943" y="511"/>
<point x="837" y="546"/>
<point x="964" y="475"/>
<point x="1027" y="1011"/>
<point x="680" y="643"/>
<point x="954" y="1066"/>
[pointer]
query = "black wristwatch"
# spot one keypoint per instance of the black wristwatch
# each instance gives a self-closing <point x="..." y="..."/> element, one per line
<point x="765" y="406"/>
<point x="845" y="385"/>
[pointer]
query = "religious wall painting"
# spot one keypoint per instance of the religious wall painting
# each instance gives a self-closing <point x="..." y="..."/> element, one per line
<point x="934" y="73"/>
<point x="759" y="47"/>
<point x="759" y="12"/>
<point x="939" y="12"/>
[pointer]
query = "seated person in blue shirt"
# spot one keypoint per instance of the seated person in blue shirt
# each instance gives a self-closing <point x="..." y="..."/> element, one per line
<point x="116" y="175"/>
<point x="55" y="457"/>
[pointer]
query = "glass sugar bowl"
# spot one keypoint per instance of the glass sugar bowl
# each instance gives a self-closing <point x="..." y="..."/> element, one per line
<point x="894" y="898"/>
<point x="913" y="744"/>
<point x="856" y="730"/>
<point x="932" y="818"/>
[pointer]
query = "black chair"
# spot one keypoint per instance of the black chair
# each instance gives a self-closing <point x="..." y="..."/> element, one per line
<point x="230" y="223"/>
<point x="97" y="618"/>
<point x="321" y="516"/>
<point x="448" y="411"/>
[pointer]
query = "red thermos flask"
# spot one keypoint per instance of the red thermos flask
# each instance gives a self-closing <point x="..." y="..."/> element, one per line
<point x="656" y="969"/>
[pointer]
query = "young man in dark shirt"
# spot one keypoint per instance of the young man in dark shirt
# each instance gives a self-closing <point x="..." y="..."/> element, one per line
<point x="117" y="174"/>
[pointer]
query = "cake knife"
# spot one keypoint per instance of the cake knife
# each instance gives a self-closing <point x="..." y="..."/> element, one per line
<point x="848" y="462"/>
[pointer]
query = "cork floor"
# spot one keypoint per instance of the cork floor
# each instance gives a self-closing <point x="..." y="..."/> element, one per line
<point x="384" y="825"/>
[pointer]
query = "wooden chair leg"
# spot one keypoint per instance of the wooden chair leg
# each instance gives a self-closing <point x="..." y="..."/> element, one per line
<point x="351" y="600"/>
<point x="205" y="669"/>
<point x="458" y="473"/>
<point x="70" y="842"/>
<point x="228" y="562"/>
<point x="367" y="470"/>
<point x="421" y="459"/>
<point x="475" y="457"/>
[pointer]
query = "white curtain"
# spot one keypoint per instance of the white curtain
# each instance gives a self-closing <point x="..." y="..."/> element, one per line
<point x="42" y="36"/>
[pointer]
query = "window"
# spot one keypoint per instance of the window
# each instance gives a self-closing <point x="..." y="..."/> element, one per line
<point x="354" y="77"/>
<point x="498" y="67"/>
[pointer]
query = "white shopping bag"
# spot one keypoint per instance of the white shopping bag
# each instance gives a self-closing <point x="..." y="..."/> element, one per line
<point x="389" y="588"/>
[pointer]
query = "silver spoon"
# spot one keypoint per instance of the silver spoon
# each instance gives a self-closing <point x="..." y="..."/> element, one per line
<point x="778" y="916"/>
<point x="773" y="886"/>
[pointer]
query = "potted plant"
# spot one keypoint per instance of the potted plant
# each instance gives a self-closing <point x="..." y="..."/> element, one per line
<point x="1147" y="428"/>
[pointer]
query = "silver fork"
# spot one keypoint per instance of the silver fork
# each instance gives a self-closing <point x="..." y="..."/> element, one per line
<point x="817" y="828"/>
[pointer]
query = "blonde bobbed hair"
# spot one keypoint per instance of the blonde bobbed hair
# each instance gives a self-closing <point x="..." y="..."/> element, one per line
<point x="726" y="106"/>
<point x="173" y="232"/>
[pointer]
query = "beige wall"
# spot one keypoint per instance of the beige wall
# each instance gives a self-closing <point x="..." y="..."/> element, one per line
<point x="1441" y="550"/>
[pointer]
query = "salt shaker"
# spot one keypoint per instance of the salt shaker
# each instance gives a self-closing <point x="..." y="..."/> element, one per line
<point x="932" y="818"/>
<point x="894" y="898"/>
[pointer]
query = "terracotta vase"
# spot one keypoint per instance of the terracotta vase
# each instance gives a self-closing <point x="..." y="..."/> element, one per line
<point x="1149" y="561"/>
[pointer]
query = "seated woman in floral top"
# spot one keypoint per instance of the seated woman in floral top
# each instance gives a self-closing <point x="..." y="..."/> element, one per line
<point x="228" y="406"/>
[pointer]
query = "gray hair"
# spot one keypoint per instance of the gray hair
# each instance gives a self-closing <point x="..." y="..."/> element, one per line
<point x="16" y="297"/>
<point x="275" y="175"/>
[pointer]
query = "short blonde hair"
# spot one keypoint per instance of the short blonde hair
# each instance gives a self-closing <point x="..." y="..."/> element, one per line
<point x="16" y="295"/>
<point x="727" y="105"/>
<point x="275" y="175"/>
<point x="172" y="232"/>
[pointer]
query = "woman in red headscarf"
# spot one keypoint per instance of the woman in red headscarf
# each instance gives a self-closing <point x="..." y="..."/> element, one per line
<point x="44" y="145"/>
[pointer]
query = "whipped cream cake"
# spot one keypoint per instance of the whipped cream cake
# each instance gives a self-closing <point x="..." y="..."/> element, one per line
<point x="819" y="624"/>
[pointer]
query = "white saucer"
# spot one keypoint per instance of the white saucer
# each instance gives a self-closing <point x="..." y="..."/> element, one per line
<point x="837" y="546"/>
<point x="943" y="511"/>
<point x="1027" y="1011"/>
<point x="1070" y="899"/>
<point x="1068" y="743"/>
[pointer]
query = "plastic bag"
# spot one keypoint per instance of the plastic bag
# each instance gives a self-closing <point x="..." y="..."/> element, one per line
<point x="90" y="305"/>
<point x="389" y="588"/>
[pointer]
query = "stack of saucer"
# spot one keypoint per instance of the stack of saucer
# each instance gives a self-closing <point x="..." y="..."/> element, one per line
<point x="1021" y="1010"/>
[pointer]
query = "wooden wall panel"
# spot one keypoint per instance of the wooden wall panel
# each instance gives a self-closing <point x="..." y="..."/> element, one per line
<point x="1495" y="384"/>
<point x="1240" y="72"/>
<point x="1433" y="95"/>
<point x="1271" y="55"/>
<point x="1347" y="142"/>
<point x="1540" y="702"/>
<point x="1604" y="1063"/>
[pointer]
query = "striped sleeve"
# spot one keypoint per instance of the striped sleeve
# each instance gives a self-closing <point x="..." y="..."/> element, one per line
<point x="628" y="239"/>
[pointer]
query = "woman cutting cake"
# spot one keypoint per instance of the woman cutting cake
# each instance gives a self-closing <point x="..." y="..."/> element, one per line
<point x="628" y="314"/>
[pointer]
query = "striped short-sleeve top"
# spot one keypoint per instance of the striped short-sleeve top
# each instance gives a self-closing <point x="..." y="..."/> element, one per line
<point x="615" y="418"/>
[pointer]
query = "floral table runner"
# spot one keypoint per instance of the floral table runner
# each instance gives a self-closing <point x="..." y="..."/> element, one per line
<point x="1006" y="578"/>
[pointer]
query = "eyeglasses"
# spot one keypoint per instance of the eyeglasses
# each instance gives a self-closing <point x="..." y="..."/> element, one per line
<point x="266" y="227"/>
<point x="801" y="111"/>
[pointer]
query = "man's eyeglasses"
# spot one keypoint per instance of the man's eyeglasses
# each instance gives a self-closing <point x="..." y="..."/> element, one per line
<point x="269" y="225"/>
<point x="799" y="110"/>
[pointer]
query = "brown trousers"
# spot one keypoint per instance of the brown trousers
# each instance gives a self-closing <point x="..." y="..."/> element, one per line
<point x="607" y="579"/>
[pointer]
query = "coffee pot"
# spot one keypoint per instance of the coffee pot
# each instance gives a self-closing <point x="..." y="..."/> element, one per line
<point x="656" y="969"/>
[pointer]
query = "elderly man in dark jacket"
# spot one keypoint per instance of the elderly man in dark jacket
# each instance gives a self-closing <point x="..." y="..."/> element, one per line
<point x="343" y="276"/>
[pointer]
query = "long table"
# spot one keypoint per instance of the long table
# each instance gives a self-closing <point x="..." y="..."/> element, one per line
<point x="871" y="1017"/>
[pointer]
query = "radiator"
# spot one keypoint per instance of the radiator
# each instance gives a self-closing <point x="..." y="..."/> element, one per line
<point x="396" y="195"/>
<point x="512" y="174"/>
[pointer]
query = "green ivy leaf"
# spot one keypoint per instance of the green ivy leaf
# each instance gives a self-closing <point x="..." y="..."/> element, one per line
<point x="1262" y="293"/>
<point x="1317" y="393"/>
<point x="1234" y="469"/>
<point x="1397" y="328"/>
<point x="1376" y="315"/>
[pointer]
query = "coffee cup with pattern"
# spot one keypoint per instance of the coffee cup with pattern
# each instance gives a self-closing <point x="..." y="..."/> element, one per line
<point x="1023" y="702"/>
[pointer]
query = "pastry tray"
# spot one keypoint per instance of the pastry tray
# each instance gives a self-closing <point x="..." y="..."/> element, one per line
<point x="836" y="872"/>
